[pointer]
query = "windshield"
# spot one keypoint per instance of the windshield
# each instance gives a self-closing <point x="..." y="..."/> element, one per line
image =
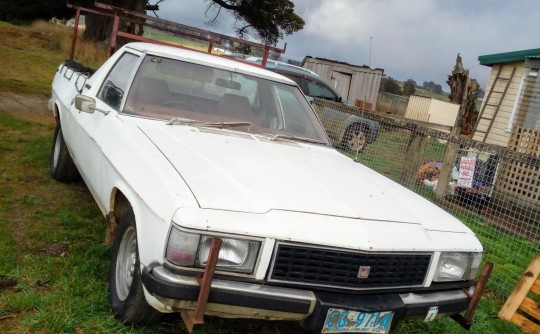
<point x="171" y="89"/>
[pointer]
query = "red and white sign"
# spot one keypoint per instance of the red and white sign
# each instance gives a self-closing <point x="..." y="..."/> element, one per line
<point x="466" y="172"/>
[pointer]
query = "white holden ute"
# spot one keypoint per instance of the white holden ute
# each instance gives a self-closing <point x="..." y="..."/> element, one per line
<point x="181" y="148"/>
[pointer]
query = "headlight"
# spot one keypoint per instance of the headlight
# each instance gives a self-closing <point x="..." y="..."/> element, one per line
<point x="457" y="266"/>
<point x="192" y="250"/>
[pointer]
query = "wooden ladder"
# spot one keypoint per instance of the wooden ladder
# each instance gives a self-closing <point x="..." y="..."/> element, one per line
<point x="497" y="105"/>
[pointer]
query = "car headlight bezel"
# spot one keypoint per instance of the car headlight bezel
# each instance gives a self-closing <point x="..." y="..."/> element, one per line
<point x="457" y="266"/>
<point x="238" y="254"/>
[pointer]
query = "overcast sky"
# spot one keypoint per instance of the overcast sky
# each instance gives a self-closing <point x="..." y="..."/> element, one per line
<point x="411" y="39"/>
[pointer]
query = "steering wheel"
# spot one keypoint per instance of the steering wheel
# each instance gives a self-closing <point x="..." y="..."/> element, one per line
<point x="177" y="104"/>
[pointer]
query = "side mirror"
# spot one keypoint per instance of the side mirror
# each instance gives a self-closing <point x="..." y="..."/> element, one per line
<point x="85" y="104"/>
<point x="339" y="99"/>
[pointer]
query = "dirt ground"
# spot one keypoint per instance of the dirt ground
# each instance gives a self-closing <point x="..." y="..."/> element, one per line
<point x="28" y="107"/>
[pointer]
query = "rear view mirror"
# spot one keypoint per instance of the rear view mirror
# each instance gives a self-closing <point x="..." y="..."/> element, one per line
<point x="230" y="84"/>
<point x="85" y="104"/>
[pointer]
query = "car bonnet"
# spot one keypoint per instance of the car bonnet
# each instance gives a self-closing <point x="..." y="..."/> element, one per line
<point x="229" y="170"/>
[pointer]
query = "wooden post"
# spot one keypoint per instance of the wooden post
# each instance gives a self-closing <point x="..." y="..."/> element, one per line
<point x="265" y="57"/>
<point x="448" y="164"/>
<point x="112" y="46"/>
<point x="518" y="298"/>
<point x="414" y="155"/>
<point x="75" y="32"/>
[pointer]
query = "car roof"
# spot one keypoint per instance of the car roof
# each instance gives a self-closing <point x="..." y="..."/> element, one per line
<point x="204" y="58"/>
<point x="278" y="66"/>
<point x="274" y="64"/>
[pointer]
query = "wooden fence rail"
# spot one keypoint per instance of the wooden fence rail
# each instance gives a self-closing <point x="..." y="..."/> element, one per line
<point x="521" y="309"/>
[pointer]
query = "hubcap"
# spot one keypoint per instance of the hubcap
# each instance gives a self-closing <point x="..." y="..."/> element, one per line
<point x="357" y="140"/>
<point x="125" y="263"/>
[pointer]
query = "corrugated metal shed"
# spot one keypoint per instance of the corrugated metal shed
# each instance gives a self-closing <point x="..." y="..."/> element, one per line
<point x="359" y="85"/>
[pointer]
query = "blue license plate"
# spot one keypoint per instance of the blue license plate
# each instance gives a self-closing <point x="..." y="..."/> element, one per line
<point x="346" y="321"/>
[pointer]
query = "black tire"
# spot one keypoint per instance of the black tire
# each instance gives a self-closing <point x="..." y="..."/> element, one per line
<point x="62" y="167"/>
<point x="126" y="295"/>
<point x="355" y="138"/>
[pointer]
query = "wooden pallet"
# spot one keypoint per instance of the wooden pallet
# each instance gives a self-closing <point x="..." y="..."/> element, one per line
<point x="519" y="308"/>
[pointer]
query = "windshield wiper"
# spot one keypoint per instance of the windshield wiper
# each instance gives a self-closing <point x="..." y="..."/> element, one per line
<point x="296" y="138"/>
<point x="192" y="122"/>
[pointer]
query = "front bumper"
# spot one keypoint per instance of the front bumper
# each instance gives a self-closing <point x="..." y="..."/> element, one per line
<point x="252" y="300"/>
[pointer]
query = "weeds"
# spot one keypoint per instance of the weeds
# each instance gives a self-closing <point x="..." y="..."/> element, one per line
<point x="58" y="38"/>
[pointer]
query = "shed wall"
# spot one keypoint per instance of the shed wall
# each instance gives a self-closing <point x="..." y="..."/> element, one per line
<point x="427" y="109"/>
<point x="499" y="133"/>
<point x="364" y="84"/>
<point x="444" y="113"/>
<point x="418" y="108"/>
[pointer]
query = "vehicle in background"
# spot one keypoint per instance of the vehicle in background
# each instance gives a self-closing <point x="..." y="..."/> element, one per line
<point x="346" y="131"/>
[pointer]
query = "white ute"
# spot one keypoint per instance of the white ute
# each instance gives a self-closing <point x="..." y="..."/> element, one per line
<point x="180" y="148"/>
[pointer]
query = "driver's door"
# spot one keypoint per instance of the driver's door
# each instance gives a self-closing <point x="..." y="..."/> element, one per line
<point x="90" y="132"/>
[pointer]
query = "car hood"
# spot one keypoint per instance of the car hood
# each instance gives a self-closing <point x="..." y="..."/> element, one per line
<point x="234" y="171"/>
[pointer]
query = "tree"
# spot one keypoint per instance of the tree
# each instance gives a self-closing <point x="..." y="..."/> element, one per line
<point x="266" y="20"/>
<point x="390" y="85"/>
<point x="409" y="87"/>
<point x="99" y="27"/>
<point x="432" y="87"/>
<point x="30" y="10"/>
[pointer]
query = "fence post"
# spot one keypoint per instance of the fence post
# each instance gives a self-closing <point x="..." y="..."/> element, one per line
<point x="448" y="163"/>
<point x="414" y="155"/>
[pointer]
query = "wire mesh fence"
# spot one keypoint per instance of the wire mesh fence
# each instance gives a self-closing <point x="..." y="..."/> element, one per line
<point x="494" y="190"/>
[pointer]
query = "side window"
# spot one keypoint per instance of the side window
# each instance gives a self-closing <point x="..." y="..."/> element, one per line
<point x="318" y="90"/>
<point x="294" y="114"/>
<point x="115" y="84"/>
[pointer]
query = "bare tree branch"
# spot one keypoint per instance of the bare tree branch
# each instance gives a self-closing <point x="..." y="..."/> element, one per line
<point x="226" y="5"/>
<point x="245" y="29"/>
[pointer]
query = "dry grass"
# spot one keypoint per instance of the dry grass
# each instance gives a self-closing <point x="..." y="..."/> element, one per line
<point x="58" y="38"/>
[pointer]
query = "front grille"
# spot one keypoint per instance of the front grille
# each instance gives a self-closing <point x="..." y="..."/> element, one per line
<point x="335" y="268"/>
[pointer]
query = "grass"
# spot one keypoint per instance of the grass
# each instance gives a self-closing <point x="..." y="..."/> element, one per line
<point x="51" y="234"/>
<point x="34" y="53"/>
<point x="437" y="96"/>
<point x="58" y="38"/>
<point x="175" y="39"/>
<point x="508" y="252"/>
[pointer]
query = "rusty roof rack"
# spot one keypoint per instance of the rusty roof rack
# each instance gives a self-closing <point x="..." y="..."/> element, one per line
<point x="117" y="14"/>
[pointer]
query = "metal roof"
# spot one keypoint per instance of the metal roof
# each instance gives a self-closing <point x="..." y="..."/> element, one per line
<point x="508" y="57"/>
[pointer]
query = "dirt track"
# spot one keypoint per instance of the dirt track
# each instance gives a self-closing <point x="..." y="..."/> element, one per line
<point x="28" y="107"/>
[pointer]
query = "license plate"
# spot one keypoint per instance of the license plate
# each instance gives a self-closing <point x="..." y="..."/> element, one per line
<point x="345" y="321"/>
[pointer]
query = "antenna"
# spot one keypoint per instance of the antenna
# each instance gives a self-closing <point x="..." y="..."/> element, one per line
<point x="370" y="42"/>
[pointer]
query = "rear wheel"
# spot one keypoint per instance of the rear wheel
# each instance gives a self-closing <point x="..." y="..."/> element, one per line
<point x="126" y="295"/>
<point x="355" y="138"/>
<point x="62" y="166"/>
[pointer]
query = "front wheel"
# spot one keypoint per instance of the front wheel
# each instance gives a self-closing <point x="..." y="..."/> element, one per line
<point x="126" y="295"/>
<point x="63" y="168"/>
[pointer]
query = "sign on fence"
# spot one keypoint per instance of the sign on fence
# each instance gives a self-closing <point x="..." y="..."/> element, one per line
<point x="466" y="172"/>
